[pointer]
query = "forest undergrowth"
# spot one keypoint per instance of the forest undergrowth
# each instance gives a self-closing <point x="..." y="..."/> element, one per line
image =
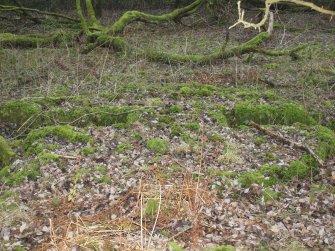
<point x="111" y="151"/>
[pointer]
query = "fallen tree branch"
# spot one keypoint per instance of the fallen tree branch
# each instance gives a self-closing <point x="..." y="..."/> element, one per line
<point x="268" y="4"/>
<point x="251" y="46"/>
<point x="289" y="142"/>
<point x="58" y="38"/>
<point x="132" y="16"/>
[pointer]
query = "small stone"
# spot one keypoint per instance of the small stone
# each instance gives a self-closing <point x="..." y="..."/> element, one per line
<point x="45" y="229"/>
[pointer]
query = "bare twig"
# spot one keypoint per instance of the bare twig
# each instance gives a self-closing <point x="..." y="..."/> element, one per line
<point x="180" y="233"/>
<point x="287" y="141"/>
<point x="268" y="4"/>
<point x="158" y="211"/>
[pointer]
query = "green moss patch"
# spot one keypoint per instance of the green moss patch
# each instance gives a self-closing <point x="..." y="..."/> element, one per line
<point x="221" y="173"/>
<point x="151" y="208"/>
<point x="222" y="248"/>
<point x="123" y="147"/>
<point x="282" y="114"/>
<point x="217" y="113"/>
<point x="216" y="137"/>
<point x="16" y="176"/>
<point x="65" y="132"/>
<point x="88" y="150"/>
<point x="296" y="169"/>
<point x="326" y="142"/>
<point x="103" y="179"/>
<point x="259" y="140"/>
<point x="157" y="145"/>
<point x="49" y="111"/>
<point x="192" y="90"/>
<point x="17" y="112"/>
<point x="268" y="175"/>
<point x="45" y="157"/>
<point x="269" y="195"/>
<point x="6" y="153"/>
<point x="175" y="109"/>
<point x="174" y="246"/>
<point x="8" y="200"/>
<point x="98" y="116"/>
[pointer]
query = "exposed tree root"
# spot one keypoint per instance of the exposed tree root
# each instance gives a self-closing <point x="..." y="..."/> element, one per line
<point x="251" y="46"/>
<point x="132" y="16"/>
<point x="289" y="142"/>
<point x="58" y="38"/>
<point x="98" y="35"/>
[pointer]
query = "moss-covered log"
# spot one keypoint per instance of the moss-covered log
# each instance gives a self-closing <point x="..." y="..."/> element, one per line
<point x="132" y="16"/>
<point x="59" y="39"/>
<point x="118" y="44"/>
<point x="251" y="46"/>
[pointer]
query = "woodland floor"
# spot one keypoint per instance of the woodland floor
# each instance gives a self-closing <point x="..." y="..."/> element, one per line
<point x="192" y="186"/>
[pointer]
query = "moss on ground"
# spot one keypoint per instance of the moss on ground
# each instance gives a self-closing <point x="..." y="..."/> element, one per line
<point x="268" y="175"/>
<point x="176" y="129"/>
<point x="175" y="109"/>
<point x="192" y="126"/>
<point x="17" y="112"/>
<point x="6" y="153"/>
<point x="222" y="248"/>
<point x="174" y="246"/>
<point x="282" y="114"/>
<point x="326" y="142"/>
<point x="269" y="195"/>
<point x="191" y="90"/>
<point x="103" y="179"/>
<point x="297" y="169"/>
<point x="221" y="173"/>
<point x="65" y="132"/>
<point x="88" y="150"/>
<point x="123" y="147"/>
<point x="48" y="111"/>
<point x="7" y="198"/>
<point x="98" y="116"/>
<point x="14" y="177"/>
<point x="45" y="157"/>
<point x="216" y="137"/>
<point x="259" y="140"/>
<point x="157" y="145"/>
<point x="151" y="208"/>
<point x="218" y="114"/>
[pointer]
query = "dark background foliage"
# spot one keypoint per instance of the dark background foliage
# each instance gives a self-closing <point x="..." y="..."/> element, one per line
<point x="138" y="4"/>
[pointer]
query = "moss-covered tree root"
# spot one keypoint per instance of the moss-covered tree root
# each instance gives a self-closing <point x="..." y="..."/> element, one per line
<point x="98" y="35"/>
<point x="251" y="46"/>
<point x="133" y="16"/>
<point x="57" y="39"/>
